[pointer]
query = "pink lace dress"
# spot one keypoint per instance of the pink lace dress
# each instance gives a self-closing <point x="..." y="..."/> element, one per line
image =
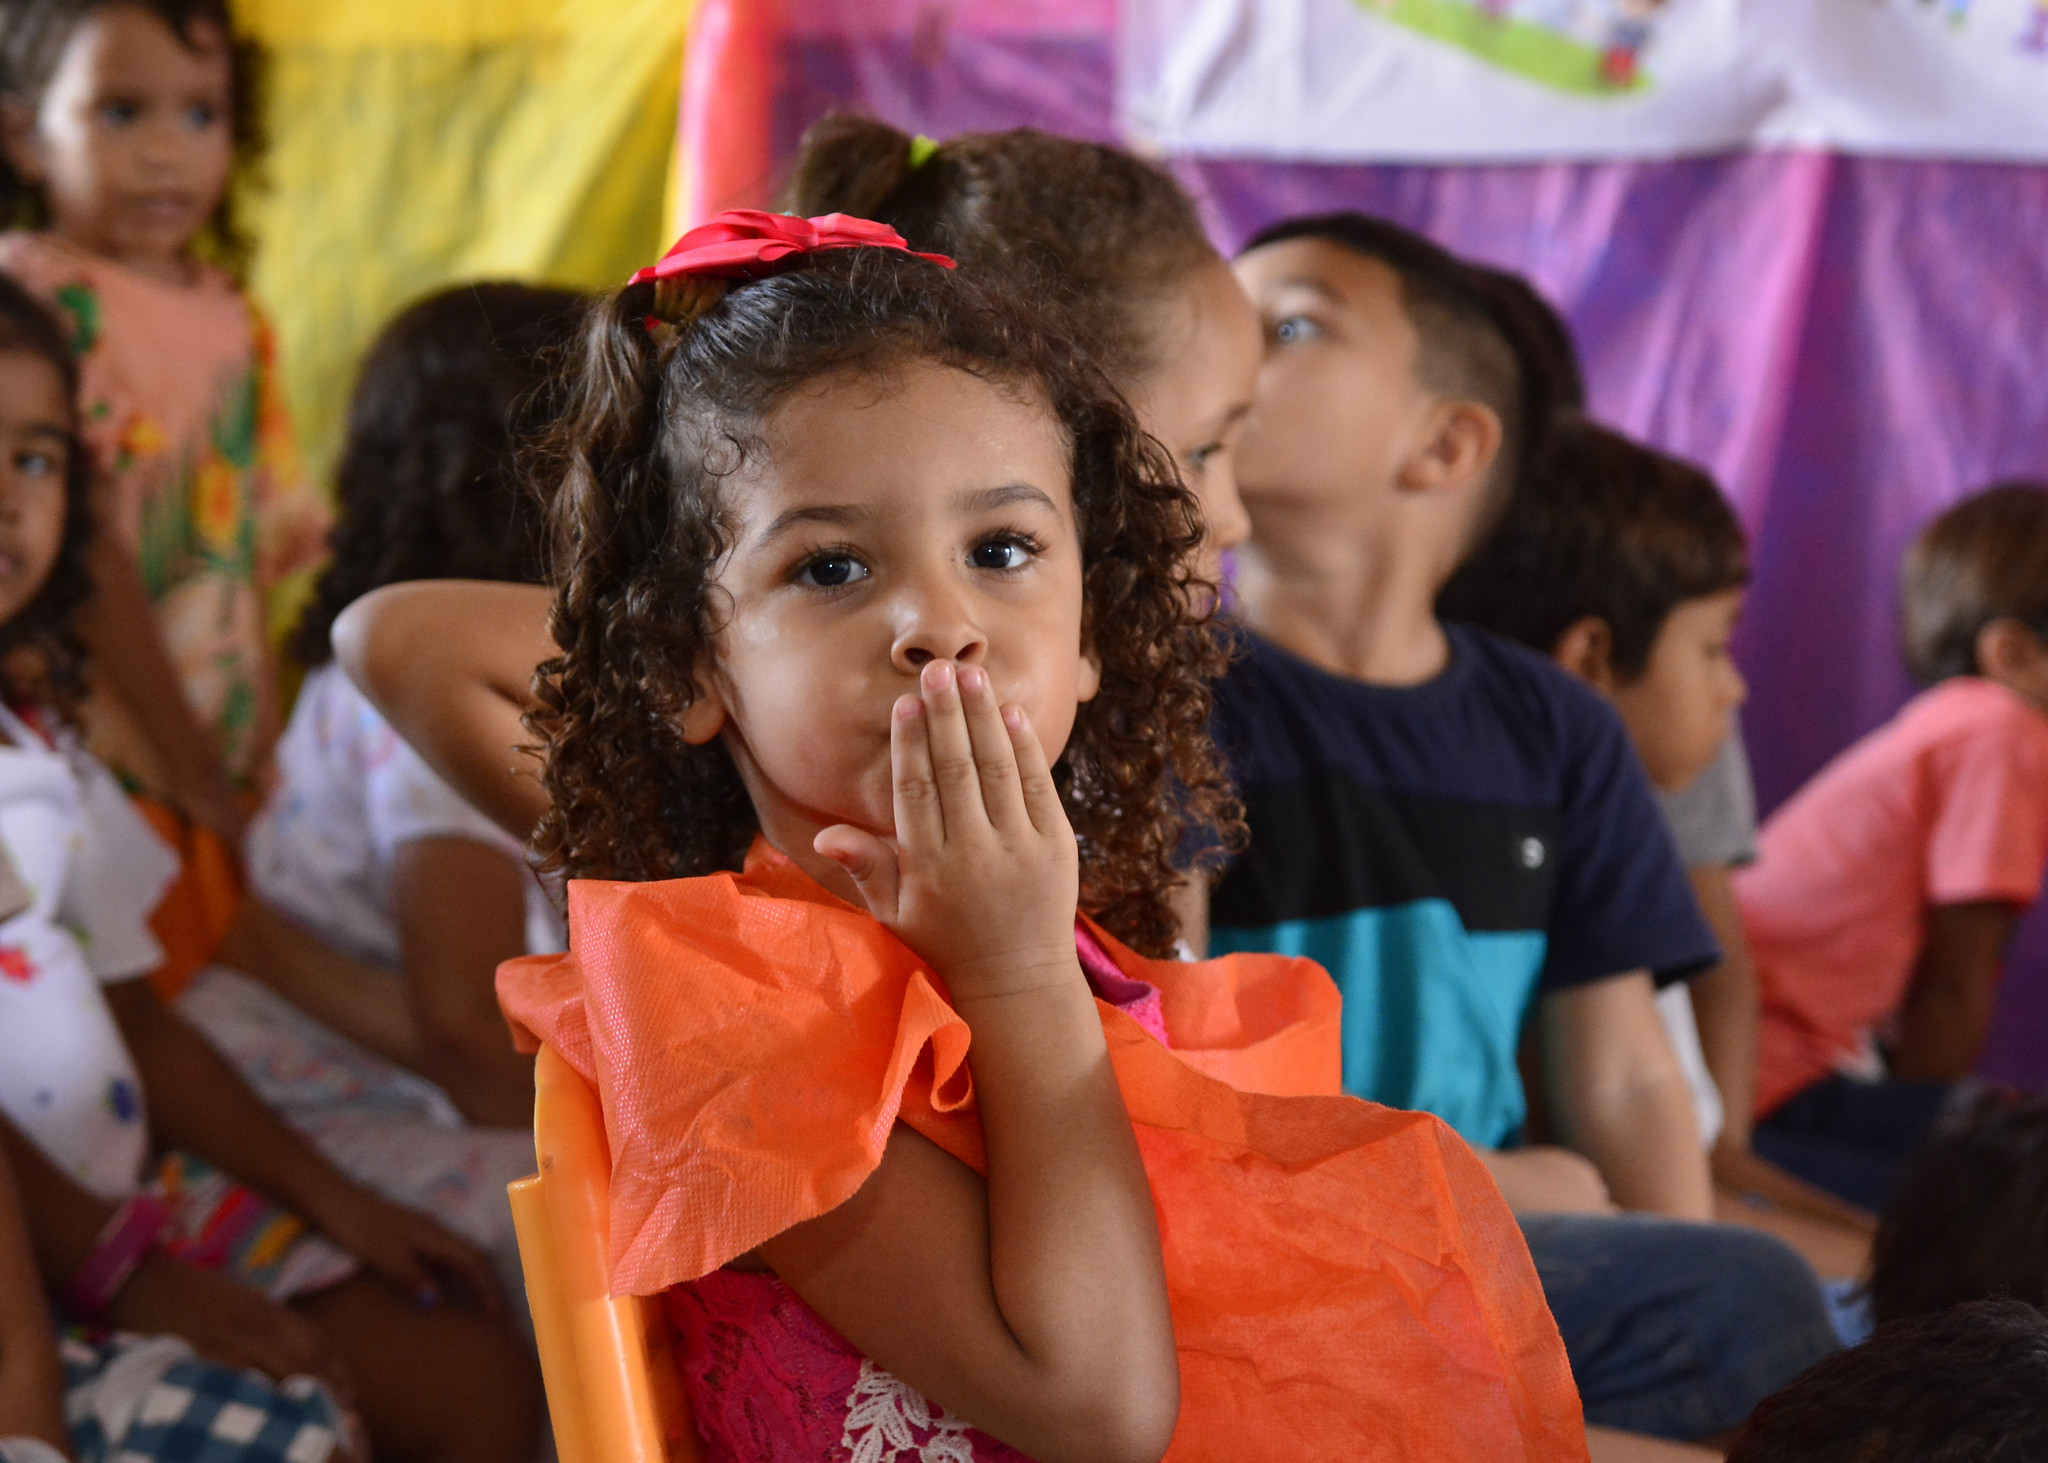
<point x="768" y="1379"/>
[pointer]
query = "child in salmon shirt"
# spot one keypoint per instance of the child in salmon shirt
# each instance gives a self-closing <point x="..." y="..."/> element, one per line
<point x="1884" y="892"/>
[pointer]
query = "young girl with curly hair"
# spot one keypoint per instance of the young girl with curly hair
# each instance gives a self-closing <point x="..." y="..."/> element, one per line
<point x="1105" y="237"/>
<point x="164" y="1199"/>
<point x="125" y="128"/>
<point x="878" y="722"/>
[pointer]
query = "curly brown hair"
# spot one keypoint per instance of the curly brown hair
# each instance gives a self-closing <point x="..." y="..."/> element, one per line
<point x="34" y="35"/>
<point x="659" y="416"/>
<point x="42" y="655"/>
<point x="1106" y="233"/>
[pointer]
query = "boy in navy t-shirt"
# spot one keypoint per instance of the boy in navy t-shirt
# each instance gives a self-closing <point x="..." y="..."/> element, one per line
<point x="1461" y="832"/>
<point x="1454" y="852"/>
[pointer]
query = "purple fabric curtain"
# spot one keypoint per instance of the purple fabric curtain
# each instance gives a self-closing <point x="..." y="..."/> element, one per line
<point x="1850" y="344"/>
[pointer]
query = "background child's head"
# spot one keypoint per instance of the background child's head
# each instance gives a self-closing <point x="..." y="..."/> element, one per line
<point x="1109" y="234"/>
<point x="1969" y="1219"/>
<point x="1396" y="379"/>
<point x="1628" y="567"/>
<point x="429" y="484"/>
<point x="44" y="522"/>
<point x="775" y="512"/>
<point x="1975" y="591"/>
<point x="125" y="122"/>
<point x="1969" y="1384"/>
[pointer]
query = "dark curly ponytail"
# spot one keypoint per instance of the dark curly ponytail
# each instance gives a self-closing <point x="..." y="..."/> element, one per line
<point x="1049" y="218"/>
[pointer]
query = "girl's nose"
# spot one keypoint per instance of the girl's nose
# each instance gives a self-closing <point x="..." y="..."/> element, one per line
<point x="937" y="626"/>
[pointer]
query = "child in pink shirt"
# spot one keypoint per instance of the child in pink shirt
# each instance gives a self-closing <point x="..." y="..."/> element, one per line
<point x="1884" y="891"/>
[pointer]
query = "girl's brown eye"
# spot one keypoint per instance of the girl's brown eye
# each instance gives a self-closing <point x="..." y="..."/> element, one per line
<point x="833" y="571"/>
<point x="1002" y="553"/>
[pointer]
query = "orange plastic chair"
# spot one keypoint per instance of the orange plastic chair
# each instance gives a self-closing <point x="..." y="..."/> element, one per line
<point x="614" y="1392"/>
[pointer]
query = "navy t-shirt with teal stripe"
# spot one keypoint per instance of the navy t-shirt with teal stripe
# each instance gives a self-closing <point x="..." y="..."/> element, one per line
<point x="1448" y="852"/>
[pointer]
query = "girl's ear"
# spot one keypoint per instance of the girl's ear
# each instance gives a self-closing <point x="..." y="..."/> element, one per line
<point x="705" y="717"/>
<point x="18" y="141"/>
<point x="1586" y="649"/>
<point x="1091" y="675"/>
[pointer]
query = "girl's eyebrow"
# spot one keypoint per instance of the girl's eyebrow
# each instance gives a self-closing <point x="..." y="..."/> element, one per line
<point x="832" y="513"/>
<point x="984" y="500"/>
<point x="979" y="500"/>
<point x="1308" y="284"/>
<point x="47" y="429"/>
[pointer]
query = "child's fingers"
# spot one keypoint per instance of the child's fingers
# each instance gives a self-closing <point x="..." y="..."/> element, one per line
<point x="994" y="759"/>
<point x="399" y="1264"/>
<point x="451" y="1254"/>
<point x="1034" y="774"/>
<point x="952" y="750"/>
<point x="868" y="861"/>
<point x="919" y="823"/>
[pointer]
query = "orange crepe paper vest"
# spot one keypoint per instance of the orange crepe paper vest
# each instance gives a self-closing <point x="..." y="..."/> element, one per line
<point x="1346" y="1281"/>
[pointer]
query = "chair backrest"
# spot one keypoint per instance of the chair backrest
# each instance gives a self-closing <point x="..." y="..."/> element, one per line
<point x="614" y="1390"/>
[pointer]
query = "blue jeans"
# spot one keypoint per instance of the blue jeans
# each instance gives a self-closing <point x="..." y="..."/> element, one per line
<point x="1851" y="1137"/>
<point x="1677" y="1329"/>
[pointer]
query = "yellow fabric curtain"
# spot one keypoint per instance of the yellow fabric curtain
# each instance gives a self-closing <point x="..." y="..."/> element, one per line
<point x="416" y="143"/>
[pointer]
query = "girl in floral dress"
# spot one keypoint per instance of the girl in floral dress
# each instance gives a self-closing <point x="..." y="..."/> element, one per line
<point x="127" y="124"/>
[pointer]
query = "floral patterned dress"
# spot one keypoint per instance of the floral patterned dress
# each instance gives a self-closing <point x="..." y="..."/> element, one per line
<point x="184" y="418"/>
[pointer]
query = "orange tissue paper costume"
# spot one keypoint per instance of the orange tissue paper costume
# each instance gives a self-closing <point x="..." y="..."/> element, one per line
<point x="1345" y="1280"/>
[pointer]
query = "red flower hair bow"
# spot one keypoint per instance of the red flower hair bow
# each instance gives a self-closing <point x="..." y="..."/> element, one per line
<point x="745" y="243"/>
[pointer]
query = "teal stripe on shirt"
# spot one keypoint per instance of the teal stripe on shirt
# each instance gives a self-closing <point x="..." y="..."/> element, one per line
<point x="1432" y="1011"/>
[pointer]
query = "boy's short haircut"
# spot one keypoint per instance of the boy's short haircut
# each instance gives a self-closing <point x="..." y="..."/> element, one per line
<point x="1543" y="341"/>
<point x="1967" y="1383"/>
<point x="1603" y="527"/>
<point x="1985" y="559"/>
<point x="1969" y="1219"/>
<point x="1479" y="338"/>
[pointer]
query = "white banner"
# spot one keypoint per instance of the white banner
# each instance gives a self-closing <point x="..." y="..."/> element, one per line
<point x="1507" y="80"/>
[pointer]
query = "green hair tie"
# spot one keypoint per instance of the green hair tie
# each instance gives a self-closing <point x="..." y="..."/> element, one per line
<point x="921" y="150"/>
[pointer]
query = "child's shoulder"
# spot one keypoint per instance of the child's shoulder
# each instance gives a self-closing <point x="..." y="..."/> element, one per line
<point x="1541" y="705"/>
<point x="1499" y="722"/>
<point x="1968" y="711"/>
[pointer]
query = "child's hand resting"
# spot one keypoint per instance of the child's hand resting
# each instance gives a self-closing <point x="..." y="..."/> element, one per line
<point x="227" y="1322"/>
<point x="409" y="1249"/>
<point x="983" y="876"/>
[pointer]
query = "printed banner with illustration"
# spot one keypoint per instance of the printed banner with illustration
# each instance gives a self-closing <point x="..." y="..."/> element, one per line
<point x="1505" y="80"/>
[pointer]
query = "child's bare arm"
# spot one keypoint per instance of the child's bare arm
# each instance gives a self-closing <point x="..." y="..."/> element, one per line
<point x="1948" y="1008"/>
<point x="31" y="1377"/>
<point x="366" y="1004"/>
<point x="197" y="1103"/>
<point x="1726" y="1002"/>
<point x="450" y="664"/>
<point x="1033" y="1305"/>
<point x="460" y="907"/>
<point x="225" y="1321"/>
<point x="1618" y="1095"/>
<point x="1543" y="1178"/>
<point x="1728" y="1005"/>
<point x="127" y="647"/>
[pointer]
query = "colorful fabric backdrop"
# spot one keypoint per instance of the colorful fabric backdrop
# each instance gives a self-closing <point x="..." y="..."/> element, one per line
<point x="416" y="143"/>
<point x="1850" y="342"/>
<point x="1459" y="80"/>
